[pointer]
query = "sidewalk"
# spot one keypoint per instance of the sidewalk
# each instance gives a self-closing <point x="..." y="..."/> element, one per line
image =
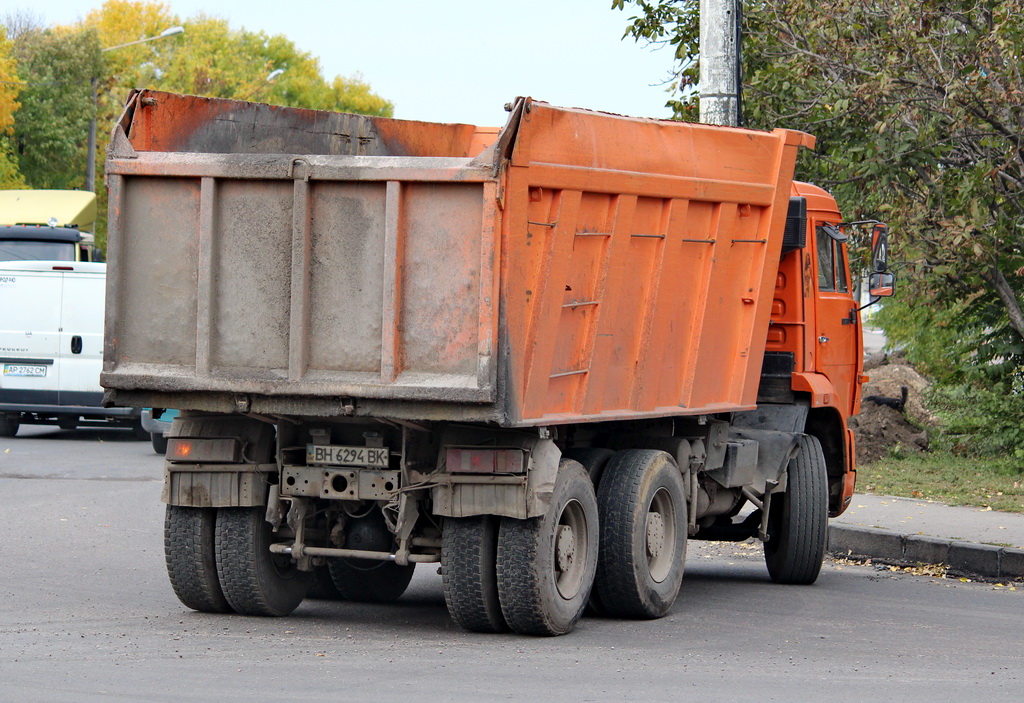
<point x="968" y="540"/>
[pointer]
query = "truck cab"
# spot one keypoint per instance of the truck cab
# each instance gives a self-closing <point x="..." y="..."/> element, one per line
<point x="47" y="225"/>
<point x="814" y="352"/>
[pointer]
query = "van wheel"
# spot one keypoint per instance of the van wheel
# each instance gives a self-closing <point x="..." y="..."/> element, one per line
<point x="642" y="505"/>
<point x="189" y="553"/>
<point x="9" y="425"/>
<point x="68" y="423"/>
<point x="140" y="432"/>
<point x="255" y="581"/>
<point x="159" y="442"/>
<point x="798" y="518"/>
<point x="546" y="564"/>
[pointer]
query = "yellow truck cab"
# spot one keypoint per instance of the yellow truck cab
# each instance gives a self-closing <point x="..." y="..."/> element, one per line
<point x="47" y="225"/>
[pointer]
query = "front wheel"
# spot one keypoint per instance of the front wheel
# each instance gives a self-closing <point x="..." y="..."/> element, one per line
<point x="798" y="518"/>
<point x="9" y="425"/>
<point x="255" y="581"/>
<point x="546" y="564"/>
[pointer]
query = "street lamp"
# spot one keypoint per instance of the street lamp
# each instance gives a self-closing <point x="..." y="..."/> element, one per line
<point x="169" y="32"/>
<point x="90" y="159"/>
<point x="269" y="79"/>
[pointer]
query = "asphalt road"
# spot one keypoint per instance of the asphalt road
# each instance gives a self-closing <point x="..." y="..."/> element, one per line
<point x="87" y="615"/>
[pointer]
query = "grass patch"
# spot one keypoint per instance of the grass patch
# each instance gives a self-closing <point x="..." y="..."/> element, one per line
<point x="949" y="479"/>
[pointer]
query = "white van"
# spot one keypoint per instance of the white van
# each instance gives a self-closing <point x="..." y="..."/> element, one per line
<point x="51" y="346"/>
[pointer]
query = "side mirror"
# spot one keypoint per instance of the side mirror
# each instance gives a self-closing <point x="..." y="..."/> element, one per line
<point x="880" y="248"/>
<point x="882" y="285"/>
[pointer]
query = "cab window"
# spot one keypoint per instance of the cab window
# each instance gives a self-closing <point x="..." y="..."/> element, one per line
<point x="831" y="259"/>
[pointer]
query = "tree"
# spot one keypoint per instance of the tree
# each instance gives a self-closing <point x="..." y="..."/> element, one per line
<point x="66" y="79"/>
<point x="917" y="105"/>
<point x="10" y="86"/>
<point x="52" y="122"/>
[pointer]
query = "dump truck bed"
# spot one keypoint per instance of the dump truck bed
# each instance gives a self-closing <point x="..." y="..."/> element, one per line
<point x="571" y="266"/>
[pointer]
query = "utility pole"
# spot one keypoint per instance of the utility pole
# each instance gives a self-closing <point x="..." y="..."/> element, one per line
<point x="719" y="62"/>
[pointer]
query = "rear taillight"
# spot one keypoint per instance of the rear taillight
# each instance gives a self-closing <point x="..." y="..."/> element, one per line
<point x="459" y="460"/>
<point x="220" y="450"/>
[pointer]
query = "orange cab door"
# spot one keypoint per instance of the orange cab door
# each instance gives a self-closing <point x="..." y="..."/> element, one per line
<point x="838" y="343"/>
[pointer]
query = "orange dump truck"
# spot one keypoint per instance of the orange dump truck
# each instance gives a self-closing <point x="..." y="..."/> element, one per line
<point x="543" y="356"/>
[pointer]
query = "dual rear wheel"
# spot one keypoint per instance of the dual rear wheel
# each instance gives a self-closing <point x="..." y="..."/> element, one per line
<point x="219" y="560"/>
<point x="621" y="549"/>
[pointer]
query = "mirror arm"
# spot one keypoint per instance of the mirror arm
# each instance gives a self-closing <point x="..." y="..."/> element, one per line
<point x="869" y="303"/>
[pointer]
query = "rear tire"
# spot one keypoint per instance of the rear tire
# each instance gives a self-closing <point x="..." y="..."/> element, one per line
<point x="190" y="555"/>
<point x="594" y="460"/>
<point x="469" y="573"/>
<point x="139" y="432"/>
<point x="798" y="518"/>
<point x="8" y="426"/>
<point x="68" y="423"/>
<point x="369" y="580"/>
<point x="254" y="581"/>
<point x="643" y="512"/>
<point x="546" y="565"/>
<point x="323" y="587"/>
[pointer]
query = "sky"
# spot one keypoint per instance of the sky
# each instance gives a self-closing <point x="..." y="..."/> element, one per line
<point x="453" y="60"/>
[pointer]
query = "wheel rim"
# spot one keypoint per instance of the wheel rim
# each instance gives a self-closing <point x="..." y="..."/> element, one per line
<point x="570" y="553"/>
<point x="660" y="536"/>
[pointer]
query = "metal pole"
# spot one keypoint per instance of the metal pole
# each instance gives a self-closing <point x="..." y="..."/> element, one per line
<point x="90" y="157"/>
<point x="719" y="62"/>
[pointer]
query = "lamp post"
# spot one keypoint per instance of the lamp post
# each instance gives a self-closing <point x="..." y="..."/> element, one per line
<point x="90" y="159"/>
<point x="269" y="79"/>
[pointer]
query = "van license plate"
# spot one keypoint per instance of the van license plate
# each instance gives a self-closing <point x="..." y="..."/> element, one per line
<point x="347" y="456"/>
<point x="23" y="370"/>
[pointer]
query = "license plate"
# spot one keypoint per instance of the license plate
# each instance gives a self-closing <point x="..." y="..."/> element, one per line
<point x="23" y="370"/>
<point x="347" y="456"/>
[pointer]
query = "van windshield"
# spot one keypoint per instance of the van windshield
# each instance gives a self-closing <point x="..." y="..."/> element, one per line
<point x="28" y="250"/>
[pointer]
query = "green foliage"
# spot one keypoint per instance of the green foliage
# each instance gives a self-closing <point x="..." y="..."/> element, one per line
<point x="51" y="126"/>
<point x="917" y="106"/>
<point x="10" y="86"/>
<point x="981" y="421"/>
<point x="55" y="70"/>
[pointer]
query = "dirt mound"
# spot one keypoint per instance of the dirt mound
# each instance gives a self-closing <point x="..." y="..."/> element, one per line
<point x="881" y="427"/>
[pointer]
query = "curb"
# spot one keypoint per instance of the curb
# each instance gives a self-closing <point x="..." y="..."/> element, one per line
<point x="983" y="560"/>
